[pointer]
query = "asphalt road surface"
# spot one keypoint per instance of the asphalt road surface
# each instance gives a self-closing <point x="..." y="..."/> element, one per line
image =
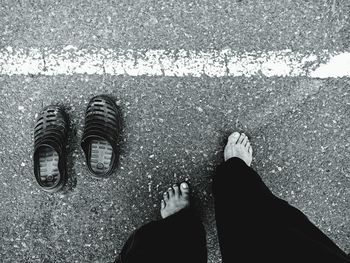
<point x="174" y="127"/>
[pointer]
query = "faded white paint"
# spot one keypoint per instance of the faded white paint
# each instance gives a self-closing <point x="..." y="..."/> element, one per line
<point x="70" y="60"/>
<point x="338" y="66"/>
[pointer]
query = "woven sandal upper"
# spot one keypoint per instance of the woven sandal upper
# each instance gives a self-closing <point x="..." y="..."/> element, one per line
<point x="101" y="122"/>
<point x="51" y="128"/>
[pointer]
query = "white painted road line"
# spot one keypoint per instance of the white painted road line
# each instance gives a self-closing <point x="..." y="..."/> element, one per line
<point x="70" y="60"/>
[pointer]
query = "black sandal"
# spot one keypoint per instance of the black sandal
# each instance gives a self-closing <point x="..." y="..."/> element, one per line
<point x="100" y="137"/>
<point x="50" y="139"/>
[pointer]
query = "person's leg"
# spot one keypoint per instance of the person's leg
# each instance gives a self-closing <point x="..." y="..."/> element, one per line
<point x="178" y="237"/>
<point x="253" y="224"/>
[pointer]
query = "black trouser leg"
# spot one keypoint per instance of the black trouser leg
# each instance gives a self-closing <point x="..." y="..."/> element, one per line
<point x="255" y="226"/>
<point x="178" y="238"/>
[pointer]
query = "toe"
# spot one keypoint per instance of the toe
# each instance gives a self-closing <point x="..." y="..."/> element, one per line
<point x="185" y="189"/>
<point x="165" y="196"/>
<point x="245" y="141"/>
<point x="247" y="144"/>
<point x="162" y="204"/>
<point x="233" y="137"/>
<point x="250" y="150"/>
<point x="241" y="138"/>
<point x="176" y="190"/>
<point x="171" y="192"/>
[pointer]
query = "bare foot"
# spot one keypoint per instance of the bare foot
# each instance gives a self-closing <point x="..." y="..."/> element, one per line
<point x="175" y="199"/>
<point x="238" y="145"/>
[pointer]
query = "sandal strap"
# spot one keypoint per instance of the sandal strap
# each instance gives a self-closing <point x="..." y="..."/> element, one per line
<point x="50" y="134"/>
<point x="107" y="130"/>
<point x="52" y="142"/>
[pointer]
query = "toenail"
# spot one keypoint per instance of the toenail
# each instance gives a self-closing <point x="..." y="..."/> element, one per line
<point x="235" y="134"/>
<point x="184" y="185"/>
